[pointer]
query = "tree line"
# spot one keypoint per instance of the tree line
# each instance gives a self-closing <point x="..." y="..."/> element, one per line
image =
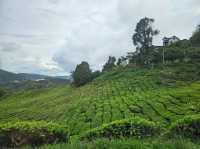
<point x="146" y="54"/>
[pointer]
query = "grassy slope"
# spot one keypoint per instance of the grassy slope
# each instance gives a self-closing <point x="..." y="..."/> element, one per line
<point x="159" y="94"/>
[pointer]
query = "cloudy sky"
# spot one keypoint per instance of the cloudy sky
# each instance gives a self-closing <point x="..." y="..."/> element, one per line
<point x="52" y="36"/>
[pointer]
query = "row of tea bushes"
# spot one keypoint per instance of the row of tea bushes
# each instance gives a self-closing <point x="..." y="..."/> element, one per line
<point x="31" y="133"/>
<point x="37" y="133"/>
<point x="135" y="127"/>
<point x="188" y="127"/>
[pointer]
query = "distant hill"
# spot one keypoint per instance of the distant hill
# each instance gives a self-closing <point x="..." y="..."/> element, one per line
<point x="8" y="77"/>
<point x="26" y="76"/>
<point x="64" y="77"/>
<point x="24" y="80"/>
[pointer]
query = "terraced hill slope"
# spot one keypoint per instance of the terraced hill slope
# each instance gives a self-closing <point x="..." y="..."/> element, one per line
<point x="163" y="94"/>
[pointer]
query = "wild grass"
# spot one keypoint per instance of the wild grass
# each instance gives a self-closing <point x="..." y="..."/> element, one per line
<point x="126" y="144"/>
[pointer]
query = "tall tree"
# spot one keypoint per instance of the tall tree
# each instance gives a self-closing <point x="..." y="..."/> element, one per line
<point x="143" y="36"/>
<point x="110" y="63"/>
<point x="195" y="39"/>
<point x="82" y="74"/>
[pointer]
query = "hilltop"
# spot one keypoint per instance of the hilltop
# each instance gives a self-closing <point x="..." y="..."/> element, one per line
<point x="147" y="98"/>
<point x="162" y="94"/>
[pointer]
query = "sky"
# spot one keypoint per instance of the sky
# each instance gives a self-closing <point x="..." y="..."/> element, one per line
<point x="52" y="36"/>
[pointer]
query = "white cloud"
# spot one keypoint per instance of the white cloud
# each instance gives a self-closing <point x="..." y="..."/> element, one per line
<point x="52" y="36"/>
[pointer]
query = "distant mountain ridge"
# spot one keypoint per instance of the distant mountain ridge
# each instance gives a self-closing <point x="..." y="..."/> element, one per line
<point x="15" y="80"/>
<point x="6" y="76"/>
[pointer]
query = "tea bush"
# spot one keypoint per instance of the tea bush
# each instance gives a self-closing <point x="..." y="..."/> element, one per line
<point x="31" y="133"/>
<point x="134" y="127"/>
<point x="188" y="127"/>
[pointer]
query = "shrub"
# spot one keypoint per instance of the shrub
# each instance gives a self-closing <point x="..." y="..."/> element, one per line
<point x="188" y="127"/>
<point x="95" y="74"/>
<point x="174" y="53"/>
<point x="182" y="44"/>
<point x="2" y="92"/>
<point x="135" y="127"/>
<point x="193" y="54"/>
<point x="31" y="133"/>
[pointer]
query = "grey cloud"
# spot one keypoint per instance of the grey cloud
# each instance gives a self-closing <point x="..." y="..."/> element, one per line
<point x="9" y="47"/>
<point x="54" y="1"/>
<point x="52" y="36"/>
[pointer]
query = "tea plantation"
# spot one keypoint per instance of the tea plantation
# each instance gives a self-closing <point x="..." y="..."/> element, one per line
<point x="161" y="95"/>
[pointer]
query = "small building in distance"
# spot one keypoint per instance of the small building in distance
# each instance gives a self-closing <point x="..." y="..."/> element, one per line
<point x="168" y="41"/>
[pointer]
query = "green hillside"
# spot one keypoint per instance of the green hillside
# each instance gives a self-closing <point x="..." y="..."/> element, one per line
<point x="162" y="94"/>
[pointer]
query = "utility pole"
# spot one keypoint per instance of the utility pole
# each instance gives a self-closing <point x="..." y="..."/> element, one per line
<point x="163" y="55"/>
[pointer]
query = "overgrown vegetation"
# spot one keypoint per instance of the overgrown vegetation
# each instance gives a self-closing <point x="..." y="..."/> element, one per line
<point x="82" y="74"/>
<point x="15" y="134"/>
<point x="135" y="127"/>
<point x="163" y="94"/>
<point x="188" y="127"/>
<point x="146" y="54"/>
<point x="159" y="94"/>
<point x="175" y="54"/>
<point x="127" y="144"/>
<point x="109" y="64"/>
<point x="2" y="92"/>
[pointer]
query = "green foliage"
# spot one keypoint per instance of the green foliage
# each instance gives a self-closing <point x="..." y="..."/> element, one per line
<point x="172" y="54"/>
<point x="95" y="74"/>
<point x="134" y="127"/>
<point x="109" y="64"/>
<point x="143" y="38"/>
<point x="14" y="134"/>
<point x="2" y="92"/>
<point x="119" y="61"/>
<point x="144" y="33"/>
<point x="82" y="74"/>
<point x="142" y="144"/>
<point x="178" y="52"/>
<point x="126" y="144"/>
<point x="163" y="94"/>
<point x="182" y="44"/>
<point x="175" y="53"/>
<point x="189" y="127"/>
<point x="195" y="39"/>
<point x="193" y="54"/>
<point x="146" y="54"/>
